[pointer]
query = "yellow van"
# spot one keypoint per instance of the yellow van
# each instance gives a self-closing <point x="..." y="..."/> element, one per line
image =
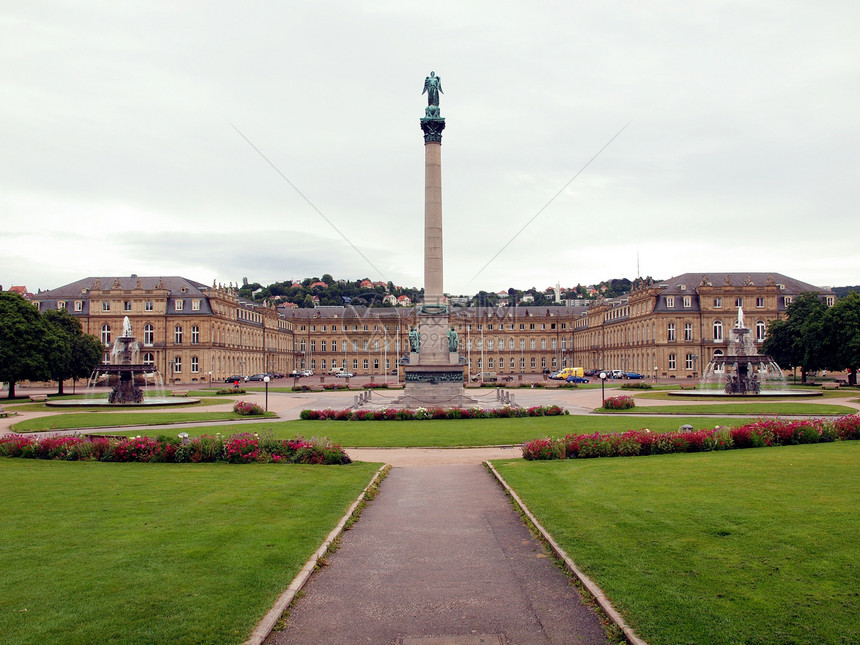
<point x="569" y="371"/>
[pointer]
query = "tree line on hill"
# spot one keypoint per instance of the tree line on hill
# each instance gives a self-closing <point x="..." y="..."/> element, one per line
<point x="364" y="292"/>
<point x="49" y="346"/>
<point x="814" y="336"/>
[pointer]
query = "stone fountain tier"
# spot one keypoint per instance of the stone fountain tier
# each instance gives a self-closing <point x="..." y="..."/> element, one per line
<point x="741" y="359"/>
<point x="106" y="368"/>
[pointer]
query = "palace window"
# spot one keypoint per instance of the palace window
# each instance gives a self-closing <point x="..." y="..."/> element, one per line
<point x="543" y="343"/>
<point x="149" y="358"/>
<point x="759" y="302"/>
<point x="322" y="345"/>
<point x="688" y="362"/>
<point x="148" y="334"/>
<point x="719" y="367"/>
<point x="195" y="335"/>
<point x="671" y="361"/>
<point x="195" y="306"/>
<point x="61" y="304"/>
<point x="195" y="365"/>
<point x="106" y="334"/>
<point x="105" y="305"/>
<point x="177" y="364"/>
<point x="688" y="331"/>
<point x="739" y="302"/>
<point x="522" y="363"/>
<point x="178" y="304"/>
<point x="177" y="334"/>
<point x="760" y="330"/>
<point x="670" y="302"/>
<point x="670" y="332"/>
<point x="126" y="305"/>
<point x="718" y="303"/>
<point x="688" y="302"/>
<point x="79" y="305"/>
<point x="148" y="306"/>
<point x="718" y="330"/>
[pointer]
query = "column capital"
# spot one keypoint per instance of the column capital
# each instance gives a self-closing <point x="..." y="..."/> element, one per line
<point x="432" y="127"/>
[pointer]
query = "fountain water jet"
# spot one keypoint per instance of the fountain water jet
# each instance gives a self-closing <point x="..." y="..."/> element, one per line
<point x="742" y="371"/>
<point x="128" y="379"/>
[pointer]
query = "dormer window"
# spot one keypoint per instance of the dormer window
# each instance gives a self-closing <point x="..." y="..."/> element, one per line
<point x="670" y="302"/>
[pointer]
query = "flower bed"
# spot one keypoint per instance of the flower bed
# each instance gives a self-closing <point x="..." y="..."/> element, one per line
<point x="399" y="414"/>
<point x="766" y="432"/>
<point x="619" y="403"/>
<point x="235" y="449"/>
<point x="247" y="409"/>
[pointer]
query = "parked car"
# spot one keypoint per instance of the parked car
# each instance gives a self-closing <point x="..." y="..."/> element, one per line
<point x="633" y="375"/>
<point x="592" y="372"/>
<point x="576" y="379"/>
<point x="233" y="379"/>
<point x="615" y="374"/>
<point x="257" y="377"/>
<point x="307" y="372"/>
<point x="277" y="375"/>
<point x="297" y="373"/>
<point x="344" y="374"/>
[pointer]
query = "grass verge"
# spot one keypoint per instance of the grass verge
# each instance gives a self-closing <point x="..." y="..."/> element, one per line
<point x="117" y="419"/>
<point x="461" y="433"/>
<point x="157" y="553"/>
<point x="747" y="546"/>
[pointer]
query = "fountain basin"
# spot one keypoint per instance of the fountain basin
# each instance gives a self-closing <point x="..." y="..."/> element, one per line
<point x="763" y="394"/>
<point x="147" y="402"/>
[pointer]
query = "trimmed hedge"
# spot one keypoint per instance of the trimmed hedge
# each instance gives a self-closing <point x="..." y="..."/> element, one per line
<point x="767" y="432"/>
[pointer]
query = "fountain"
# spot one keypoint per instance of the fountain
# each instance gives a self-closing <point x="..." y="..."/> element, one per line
<point x="742" y="371"/>
<point x="132" y="383"/>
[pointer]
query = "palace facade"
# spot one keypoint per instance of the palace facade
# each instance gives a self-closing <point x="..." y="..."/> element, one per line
<point x="668" y="329"/>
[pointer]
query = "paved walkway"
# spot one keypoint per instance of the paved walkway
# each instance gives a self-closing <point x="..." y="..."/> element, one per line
<point x="440" y="556"/>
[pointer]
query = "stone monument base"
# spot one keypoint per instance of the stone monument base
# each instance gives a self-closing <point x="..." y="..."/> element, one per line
<point x="434" y="386"/>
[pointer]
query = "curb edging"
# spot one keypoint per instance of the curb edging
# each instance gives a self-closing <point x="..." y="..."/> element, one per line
<point x="599" y="597"/>
<point x="267" y="623"/>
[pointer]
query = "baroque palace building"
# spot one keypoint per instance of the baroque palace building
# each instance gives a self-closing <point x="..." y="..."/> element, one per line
<point x="185" y="328"/>
<point x="669" y="329"/>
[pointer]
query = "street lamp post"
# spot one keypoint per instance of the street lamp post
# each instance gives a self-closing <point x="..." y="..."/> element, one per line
<point x="602" y="388"/>
<point x="210" y="380"/>
<point x="266" y="381"/>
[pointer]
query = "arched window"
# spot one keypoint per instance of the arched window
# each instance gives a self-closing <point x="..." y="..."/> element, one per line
<point x="760" y="330"/>
<point x="148" y="334"/>
<point x="106" y="334"/>
<point x="719" y="367"/>
<point x="148" y="358"/>
<point x="718" y="330"/>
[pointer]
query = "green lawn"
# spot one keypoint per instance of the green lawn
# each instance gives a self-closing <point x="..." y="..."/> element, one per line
<point x="747" y="409"/>
<point x="748" y="546"/>
<point x="115" y="419"/>
<point x="459" y="433"/>
<point x="157" y="553"/>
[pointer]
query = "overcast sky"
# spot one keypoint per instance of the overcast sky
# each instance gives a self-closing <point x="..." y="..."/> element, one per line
<point x="122" y="147"/>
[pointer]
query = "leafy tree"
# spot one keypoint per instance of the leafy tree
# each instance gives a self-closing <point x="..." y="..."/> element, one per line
<point x="70" y="353"/>
<point x="841" y="327"/>
<point x="22" y="341"/>
<point x="798" y="341"/>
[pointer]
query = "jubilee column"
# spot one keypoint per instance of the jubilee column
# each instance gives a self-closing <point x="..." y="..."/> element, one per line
<point x="433" y="369"/>
<point x="432" y="124"/>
